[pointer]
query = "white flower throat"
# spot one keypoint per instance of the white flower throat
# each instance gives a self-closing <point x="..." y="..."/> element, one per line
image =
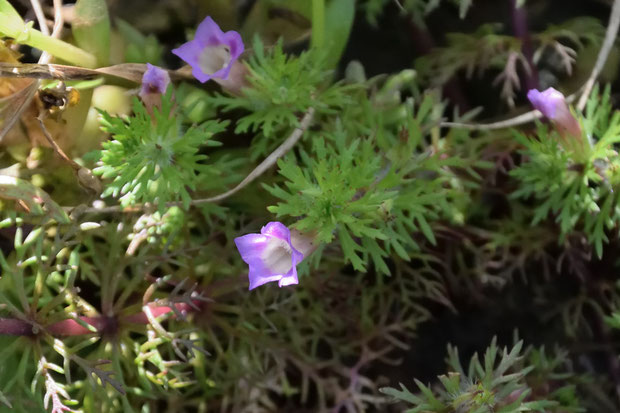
<point x="277" y="256"/>
<point x="214" y="58"/>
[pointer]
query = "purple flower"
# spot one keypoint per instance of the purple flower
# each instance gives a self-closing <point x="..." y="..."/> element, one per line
<point x="155" y="80"/>
<point x="212" y="52"/>
<point x="270" y="255"/>
<point x="552" y="105"/>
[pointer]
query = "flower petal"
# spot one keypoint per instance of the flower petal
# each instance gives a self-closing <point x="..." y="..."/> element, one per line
<point x="278" y="230"/>
<point x="251" y="246"/>
<point x="297" y="256"/>
<point x="550" y="102"/>
<point x="257" y="278"/>
<point x="209" y="33"/>
<point x="154" y="80"/>
<point x="290" y="278"/>
<point x="259" y="274"/>
<point x="270" y="255"/>
<point x="202" y="53"/>
<point x="222" y="73"/>
<point x="189" y="52"/>
<point x="235" y="44"/>
<point x="200" y="75"/>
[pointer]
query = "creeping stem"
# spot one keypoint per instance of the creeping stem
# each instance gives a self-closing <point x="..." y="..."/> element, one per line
<point x="69" y="327"/>
<point x="267" y="163"/>
<point x="603" y="54"/>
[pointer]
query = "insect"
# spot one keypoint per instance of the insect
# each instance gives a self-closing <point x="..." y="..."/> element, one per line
<point x="56" y="99"/>
<point x="13" y="106"/>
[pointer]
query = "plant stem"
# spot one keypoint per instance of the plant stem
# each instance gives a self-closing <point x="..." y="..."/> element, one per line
<point x="603" y="54"/>
<point x="610" y="36"/>
<point x="318" y="23"/>
<point x="519" y="26"/>
<point x="60" y="49"/>
<point x="69" y="327"/>
<point x="267" y="163"/>
<point x="423" y="44"/>
<point x="12" y="25"/>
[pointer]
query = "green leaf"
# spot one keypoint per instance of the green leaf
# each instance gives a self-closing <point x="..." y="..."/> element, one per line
<point x="349" y="248"/>
<point x="426" y="229"/>
<point x="11" y="23"/>
<point x="339" y="16"/>
<point x="91" y="28"/>
<point x="402" y="394"/>
<point x="140" y="48"/>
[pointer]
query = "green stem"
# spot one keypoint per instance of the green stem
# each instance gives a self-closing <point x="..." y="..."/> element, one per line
<point x="318" y="23"/>
<point x="12" y="25"/>
<point x="60" y="49"/>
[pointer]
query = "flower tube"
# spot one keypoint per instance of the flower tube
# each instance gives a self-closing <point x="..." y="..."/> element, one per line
<point x="270" y="255"/>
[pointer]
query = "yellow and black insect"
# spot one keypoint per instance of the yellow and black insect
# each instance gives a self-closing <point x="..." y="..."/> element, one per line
<point x="52" y="100"/>
<point x="55" y="100"/>
<point x="60" y="97"/>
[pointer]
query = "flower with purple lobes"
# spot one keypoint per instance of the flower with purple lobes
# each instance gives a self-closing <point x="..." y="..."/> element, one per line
<point x="270" y="255"/>
<point x="155" y="80"/>
<point x="552" y="104"/>
<point x="212" y="52"/>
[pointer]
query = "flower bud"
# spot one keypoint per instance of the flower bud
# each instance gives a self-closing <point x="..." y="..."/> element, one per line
<point x="552" y="104"/>
<point x="154" y="84"/>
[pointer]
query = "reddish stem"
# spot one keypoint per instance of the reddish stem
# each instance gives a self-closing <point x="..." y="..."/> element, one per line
<point x="15" y="327"/>
<point x="423" y="44"/>
<point x="519" y="26"/>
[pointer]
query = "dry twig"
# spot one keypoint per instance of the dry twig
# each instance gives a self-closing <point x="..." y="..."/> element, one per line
<point x="603" y="54"/>
<point x="610" y="37"/>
